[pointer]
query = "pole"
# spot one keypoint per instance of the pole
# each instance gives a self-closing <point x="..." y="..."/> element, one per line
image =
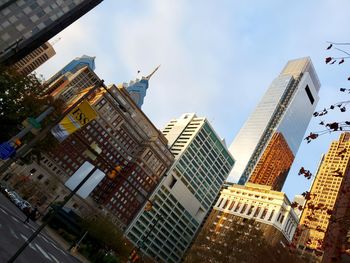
<point x="27" y="129"/>
<point x="42" y="226"/>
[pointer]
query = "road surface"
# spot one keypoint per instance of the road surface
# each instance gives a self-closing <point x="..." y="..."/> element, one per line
<point x="13" y="233"/>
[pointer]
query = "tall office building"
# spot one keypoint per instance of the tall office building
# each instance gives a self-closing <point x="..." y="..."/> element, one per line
<point x="26" y="25"/>
<point x="137" y="89"/>
<point x="324" y="225"/>
<point x="276" y="127"/>
<point x="35" y="59"/>
<point x="187" y="193"/>
<point x="71" y="79"/>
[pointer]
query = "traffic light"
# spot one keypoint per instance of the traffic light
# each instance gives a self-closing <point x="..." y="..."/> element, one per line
<point x="134" y="257"/>
<point x="113" y="174"/>
<point x="148" y="206"/>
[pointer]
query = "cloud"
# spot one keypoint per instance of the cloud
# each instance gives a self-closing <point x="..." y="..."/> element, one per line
<point x="217" y="57"/>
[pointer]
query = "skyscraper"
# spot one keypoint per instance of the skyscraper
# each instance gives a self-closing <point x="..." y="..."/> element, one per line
<point x="186" y="194"/>
<point x="276" y="127"/>
<point x="324" y="225"/>
<point x="137" y="89"/>
<point x="26" y="25"/>
<point x="35" y="59"/>
<point x="71" y="79"/>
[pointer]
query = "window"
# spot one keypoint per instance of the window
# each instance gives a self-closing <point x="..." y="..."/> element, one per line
<point x="271" y="215"/>
<point x="237" y="207"/>
<point x="250" y="210"/>
<point x="33" y="171"/>
<point x="40" y="176"/>
<point x="264" y="213"/>
<point x="244" y="208"/>
<point x="172" y="182"/>
<point x="231" y="205"/>
<point x="257" y="211"/>
<point x="308" y="92"/>
<point x="225" y="205"/>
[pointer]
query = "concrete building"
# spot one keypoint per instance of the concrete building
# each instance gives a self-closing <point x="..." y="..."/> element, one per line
<point x="239" y="210"/>
<point x="276" y="127"/>
<point x="186" y="195"/>
<point x="26" y="25"/>
<point x="324" y="225"/>
<point x="35" y="59"/>
<point x="268" y="207"/>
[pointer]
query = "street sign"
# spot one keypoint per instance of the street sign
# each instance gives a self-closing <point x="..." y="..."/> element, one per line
<point x="34" y="123"/>
<point x="6" y="150"/>
<point x="74" y="120"/>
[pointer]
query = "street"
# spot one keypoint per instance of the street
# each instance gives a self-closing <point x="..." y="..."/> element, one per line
<point x="14" y="232"/>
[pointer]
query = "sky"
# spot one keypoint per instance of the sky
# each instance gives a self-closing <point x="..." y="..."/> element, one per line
<point x="217" y="58"/>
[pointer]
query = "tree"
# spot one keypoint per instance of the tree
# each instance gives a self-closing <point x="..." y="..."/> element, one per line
<point x="240" y="241"/>
<point x="19" y="99"/>
<point x="106" y="237"/>
<point x="333" y="242"/>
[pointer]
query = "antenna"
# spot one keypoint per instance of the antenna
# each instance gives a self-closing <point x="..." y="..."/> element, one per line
<point x="54" y="42"/>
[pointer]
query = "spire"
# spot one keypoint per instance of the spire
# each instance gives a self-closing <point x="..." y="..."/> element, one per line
<point x="150" y="75"/>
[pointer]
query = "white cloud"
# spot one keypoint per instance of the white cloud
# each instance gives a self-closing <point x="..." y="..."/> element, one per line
<point x="218" y="57"/>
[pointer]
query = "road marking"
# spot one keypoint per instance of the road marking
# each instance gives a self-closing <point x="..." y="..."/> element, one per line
<point x="3" y="211"/>
<point x="30" y="244"/>
<point x="13" y="233"/>
<point x="44" y="238"/>
<point x="14" y="218"/>
<point x="43" y="252"/>
<point x="55" y="259"/>
<point x="62" y="251"/>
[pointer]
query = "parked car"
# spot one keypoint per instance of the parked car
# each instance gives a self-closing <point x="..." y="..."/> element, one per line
<point x="15" y="197"/>
<point x="24" y="204"/>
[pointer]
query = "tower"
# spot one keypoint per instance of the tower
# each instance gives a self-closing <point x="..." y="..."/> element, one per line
<point x="324" y="223"/>
<point x="276" y="127"/>
<point x="26" y="25"/>
<point x="137" y="89"/>
<point x="35" y="59"/>
<point x="72" y="78"/>
<point x="186" y="194"/>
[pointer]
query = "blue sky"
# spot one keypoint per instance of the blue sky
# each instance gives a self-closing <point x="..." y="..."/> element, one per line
<point x="217" y="57"/>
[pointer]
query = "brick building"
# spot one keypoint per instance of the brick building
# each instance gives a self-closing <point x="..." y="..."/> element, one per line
<point x="124" y="136"/>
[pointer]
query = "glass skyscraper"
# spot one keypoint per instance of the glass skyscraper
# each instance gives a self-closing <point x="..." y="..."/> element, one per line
<point x="276" y="127"/>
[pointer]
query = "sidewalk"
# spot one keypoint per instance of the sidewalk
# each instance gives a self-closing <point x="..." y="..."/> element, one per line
<point x="64" y="244"/>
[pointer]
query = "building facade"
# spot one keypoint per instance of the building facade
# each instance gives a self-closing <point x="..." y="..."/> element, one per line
<point x="277" y="125"/>
<point x="35" y="59"/>
<point x="73" y="78"/>
<point x="125" y="137"/>
<point x="258" y="202"/>
<point x="246" y="221"/>
<point x="324" y="226"/>
<point x="187" y="193"/>
<point x="26" y="25"/>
